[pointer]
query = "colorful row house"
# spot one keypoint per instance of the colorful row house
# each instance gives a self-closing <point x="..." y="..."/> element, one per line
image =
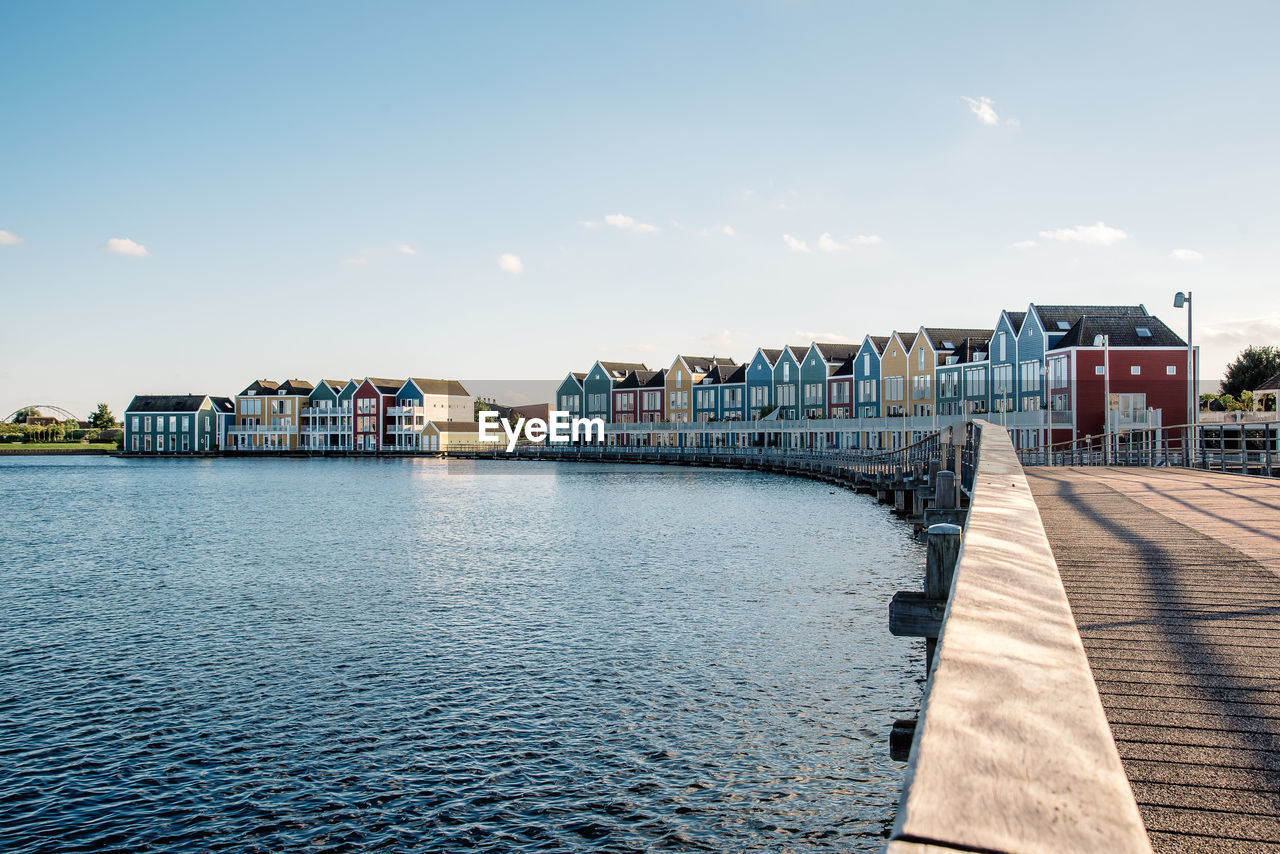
<point x="1032" y="364"/>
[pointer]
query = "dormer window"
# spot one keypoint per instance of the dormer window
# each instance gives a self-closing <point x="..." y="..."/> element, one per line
<point x="1143" y="331"/>
<point x="1063" y="325"/>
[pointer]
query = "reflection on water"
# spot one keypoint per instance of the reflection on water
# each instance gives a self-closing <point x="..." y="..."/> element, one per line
<point x="264" y="655"/>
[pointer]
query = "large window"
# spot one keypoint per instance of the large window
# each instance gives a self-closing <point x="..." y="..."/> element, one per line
<point x="975" y="382"/>
<point x="597" y="402"/>
<point x="1029" y="373"/>
<point x="1057" y="372"/>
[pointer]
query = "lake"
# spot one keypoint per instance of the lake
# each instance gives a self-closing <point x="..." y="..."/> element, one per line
<point x="277" y="654"/>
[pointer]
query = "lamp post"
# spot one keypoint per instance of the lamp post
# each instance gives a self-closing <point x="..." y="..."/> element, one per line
<point x="1104" y="341"/>
<point x="1193" y="404"/>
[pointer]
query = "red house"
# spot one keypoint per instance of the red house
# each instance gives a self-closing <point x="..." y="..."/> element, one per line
<point x="371" y="428"/>
<point x="1144" y="363"/>
<point x="653" y="406"/>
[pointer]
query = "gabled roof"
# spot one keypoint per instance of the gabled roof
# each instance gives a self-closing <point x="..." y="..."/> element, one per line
<point x="383" y="385"/>
<point x="723" y="373"/>
<point x="835" y="352"/>
<point x="846" y="367"/>
<point x="631" y="380"/>
<point x="618" y="370"/>
<point x="738" y="374"/>
<point x="1053" y="317"/>
<point x="797" y="352"/>
<point x="1124" y="331"/>
<point x="702" y="364"/>
<point x="167" y="403"/>
<point x="770" y="356"/>
<point x="945" y="339"/>
<point x="576" y="376"/>
<point x="446" y="387"/>
<point x="1015" y="320"/>
<point x="295" y="387"/>
<point x="336" y="385"/>
<point x="262" y="387"/>
<point x="454" y="426"/>
<point x="656" y="379"/>
<point x="223" y="404"/>
<point x="877" y="342"/>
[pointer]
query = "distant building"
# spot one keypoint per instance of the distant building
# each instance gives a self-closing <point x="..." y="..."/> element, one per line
<point x="170" y="424"/>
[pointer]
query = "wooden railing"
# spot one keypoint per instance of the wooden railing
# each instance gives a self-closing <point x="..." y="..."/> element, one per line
<point x="1012" y="751"/>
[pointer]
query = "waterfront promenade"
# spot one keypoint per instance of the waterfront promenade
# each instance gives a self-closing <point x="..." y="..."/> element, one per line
<point x="1174" y="580"/>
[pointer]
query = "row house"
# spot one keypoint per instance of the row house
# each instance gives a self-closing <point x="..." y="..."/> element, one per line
<point x="933" y="348"/>
<point x="420" y="402"/>
<point x="268" y="415"/>
<point x="599" y="383"/>
<point x="570" y="396"/>
<point x="685" y="373"/>
<point x="171" y="424"/>
<point x="759" y="382"/>
<point x="327" y="422"/>
<point x="721" y="394"/>
<point x="786" y="382"/>
<point x="653" y="395"/>
<point x="817" y="365"/>
<point x="866" y="376"/>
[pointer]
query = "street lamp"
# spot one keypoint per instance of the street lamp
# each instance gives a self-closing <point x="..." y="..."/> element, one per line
<point x="1193" y="404"/>
<point x="1104" y="341"/>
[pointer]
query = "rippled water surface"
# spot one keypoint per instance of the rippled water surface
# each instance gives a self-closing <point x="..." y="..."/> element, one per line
<point x="270" y="655"/>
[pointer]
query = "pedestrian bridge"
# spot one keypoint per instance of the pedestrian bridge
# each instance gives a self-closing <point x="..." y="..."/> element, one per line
<point x="1104" y="641"/>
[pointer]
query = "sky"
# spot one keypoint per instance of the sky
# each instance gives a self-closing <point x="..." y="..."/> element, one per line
<point x="193" y="196"/>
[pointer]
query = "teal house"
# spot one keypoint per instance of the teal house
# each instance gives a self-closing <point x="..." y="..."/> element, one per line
<point x="170" y="424"/>
<point x="759" y="381"/>
<point x="1003" y="379"/>
<point x="598" y="386"/>
<point x="816" y="366"/>
<point x="965" y="367"/>
<point x="733" y="392"/>
<point x="570" y="397"/>
<point x="786" y="382"/>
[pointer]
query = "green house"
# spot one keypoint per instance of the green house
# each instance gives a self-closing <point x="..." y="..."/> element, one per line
<point x="170" y="424"/>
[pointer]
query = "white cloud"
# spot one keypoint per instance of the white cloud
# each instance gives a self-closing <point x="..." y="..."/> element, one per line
<point x="627" y="223"/>
<point x="1186" y="255"/>
<point x="8" y="238"/>
<point x="983" y="108"/>
<point x="406" y="249"/>
<point x="724" y="230"/>
<point x="586" y="223"/>
<point x="1097" y="235"/>
<point x="824" y="337"/>
<point x="720" y="340"/>
<point x="1023" y="244"/>
<point x="125" y="246"/>
<point x="511" y="263"/>
<point x="795" y="245"/>
<point x="827" y="243"/>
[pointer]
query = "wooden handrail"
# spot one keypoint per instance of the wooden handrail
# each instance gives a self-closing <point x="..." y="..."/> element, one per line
<point x="1013" y="751"/>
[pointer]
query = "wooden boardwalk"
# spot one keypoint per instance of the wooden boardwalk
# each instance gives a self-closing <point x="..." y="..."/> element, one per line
<point x="1174" y="580"/>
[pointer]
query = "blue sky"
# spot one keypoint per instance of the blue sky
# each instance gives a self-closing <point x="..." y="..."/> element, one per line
<point x="332" y="190"/>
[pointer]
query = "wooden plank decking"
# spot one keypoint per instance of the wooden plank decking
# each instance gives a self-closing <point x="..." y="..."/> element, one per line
<point x="1174" y="580"/>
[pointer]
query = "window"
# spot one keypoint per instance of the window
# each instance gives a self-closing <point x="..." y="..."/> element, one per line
<point x="624" y="402"/>
<point x="135" y="438"/>
<point x="679" y="379"/>
<point x="975" y="382"/>
<point x="1064" y="325"/>
<point x="1100" y="370"/>
<point x="148" y="429"/>
<point x="1002" y="347"/>
<point x="148" y="438"/>
<point x="1143" y="331"/>
<point x="173" y="442"/>
<point x="921" y="359"/>
<point x="1029" y="373"/>
<point x="1057" y="372"/>
<point x="866" y="363"/>
<point x="186" y="442"/>
<point x="1135" y="370"/>
<point x="1002" y="379"/>
<point x="786" y="395"/>
<point x="135" y="426"/>
<point x="786" y="372"/>
<point x="597" y="402"/>
<point x="186" y="423"/>
<point x="1171" y="370"/>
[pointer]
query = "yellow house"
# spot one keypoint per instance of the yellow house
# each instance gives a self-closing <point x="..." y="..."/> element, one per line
<point x="686" y="372"/>
<point x="267" y="415"/>
<point x="443" y="435"/>
<point x="893" y="375"/>
<point x="933" y="346"/>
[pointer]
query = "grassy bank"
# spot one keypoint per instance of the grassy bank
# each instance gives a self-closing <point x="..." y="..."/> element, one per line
<point x="55" y="447"/>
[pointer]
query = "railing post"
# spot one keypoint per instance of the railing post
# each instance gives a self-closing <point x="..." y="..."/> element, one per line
<point x="944" y="490"/>
<point x="943" y="550"/>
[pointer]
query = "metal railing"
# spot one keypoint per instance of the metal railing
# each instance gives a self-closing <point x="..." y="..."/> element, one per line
<point x="1245" y="448"/>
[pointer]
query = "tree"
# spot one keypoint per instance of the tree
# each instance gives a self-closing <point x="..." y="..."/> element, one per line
<point x="1253" y="367"/>
<point x="21" y="416"/>
<point x="101" y="418"/>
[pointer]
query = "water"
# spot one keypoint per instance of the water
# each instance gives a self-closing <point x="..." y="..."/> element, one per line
<point x="271" y="655"/>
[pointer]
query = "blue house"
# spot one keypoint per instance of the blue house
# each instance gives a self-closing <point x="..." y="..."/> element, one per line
<point x="786" y="382"/>
<point x="1003" y="379"/>
<point x="961" y="385"/>
<point x="733" y="392"/>
<point x="170" y="424"/>
<point x="706" y="396"/>
<point x="760" y="381"/>
<point x="866" y="376"/>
